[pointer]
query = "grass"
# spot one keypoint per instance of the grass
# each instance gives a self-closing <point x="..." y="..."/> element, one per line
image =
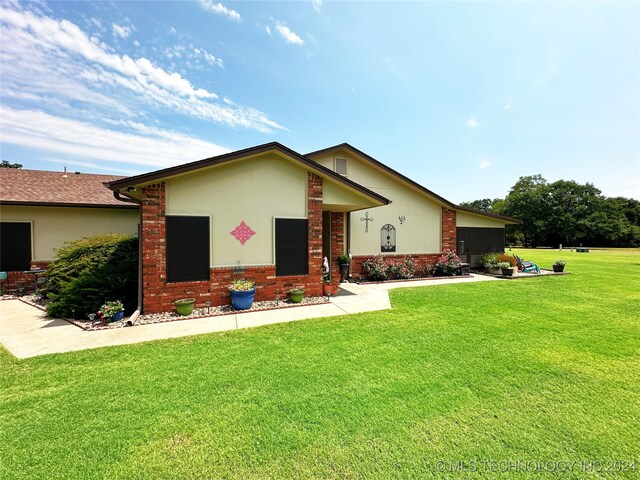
<point x="544" y="370"/>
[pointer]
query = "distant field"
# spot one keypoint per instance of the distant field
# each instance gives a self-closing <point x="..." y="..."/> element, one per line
<point x="459" y="381"/>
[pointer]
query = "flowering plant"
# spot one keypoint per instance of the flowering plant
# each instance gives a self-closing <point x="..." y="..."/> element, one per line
<point x="109" y="309"/>
<point x="448" y="264"/>
<point x="241" y="285"/>
<point x="387" y="268"/>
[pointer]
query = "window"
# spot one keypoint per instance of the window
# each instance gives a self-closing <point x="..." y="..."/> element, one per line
<point x="15" y="246"/>
<point x="292" y="251"/>
<point x="188" y="247"/>
<point x="340" y="166"/>
<point x="388" y="238"/>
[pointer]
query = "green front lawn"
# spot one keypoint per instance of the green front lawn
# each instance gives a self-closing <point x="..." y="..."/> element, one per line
<point x="536" y="370"/>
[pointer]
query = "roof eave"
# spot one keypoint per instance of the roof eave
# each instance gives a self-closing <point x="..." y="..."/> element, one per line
<point x="237" y="155"/>
<point x="65" y="204"/>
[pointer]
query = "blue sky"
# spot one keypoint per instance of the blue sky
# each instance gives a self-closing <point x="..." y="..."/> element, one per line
<point x="462" y="97"/>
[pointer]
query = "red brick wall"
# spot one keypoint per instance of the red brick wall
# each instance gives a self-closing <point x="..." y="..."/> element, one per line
<point x="337" y="244"/>
<point x="26" y="280"/>
<point x="448" y="230"/>
<point x="160" y="295"/>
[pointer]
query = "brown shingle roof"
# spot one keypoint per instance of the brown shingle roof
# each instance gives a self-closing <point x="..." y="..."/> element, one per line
<point x="39" y="187"/>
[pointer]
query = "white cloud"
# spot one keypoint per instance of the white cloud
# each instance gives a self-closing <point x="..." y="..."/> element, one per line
<point x="53" y="60"/>
<point x="267" y="29"/>
<point x="317" y="5"/>
<point x="288" y="35"/>
<point x="484" y="164"/>
<point x="472" y="122"/>
<point x="220" y="9"/>
<point x="507" y="106"/>
<point x="151" y="147"/>
<point x="122" y="31"/>
<point x="173" y="31"/>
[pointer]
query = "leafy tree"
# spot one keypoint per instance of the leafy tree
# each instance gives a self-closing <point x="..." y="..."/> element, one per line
<point x="7" y="164"/>
<point x="566" y="212"/>
<point x="484" y="205"/>
<point x="527" y="201"/>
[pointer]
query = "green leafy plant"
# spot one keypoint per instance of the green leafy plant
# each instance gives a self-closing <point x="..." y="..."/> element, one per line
<point x="489" y="260"/>
<point x="344" y="259"/>
<point x="241" y="285"/>
<point x="559" y="263"/>
<point x="88" y="272"/>
<point x="504" y="265"/>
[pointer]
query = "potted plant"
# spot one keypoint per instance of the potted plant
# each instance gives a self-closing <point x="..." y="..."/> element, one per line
<point x="111" y="311"/>
<point x="296" y="294"/>
<point x="343" y="261"/>
<point x="558" y="266"/>
<point x="242" y="293"/>
<point x="184" y="306"/>
<point x="507" y="269"/>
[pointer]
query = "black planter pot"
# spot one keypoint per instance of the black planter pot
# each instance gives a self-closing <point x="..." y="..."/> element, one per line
<point x="558" y="268"/>
<point x="344" y="271"/>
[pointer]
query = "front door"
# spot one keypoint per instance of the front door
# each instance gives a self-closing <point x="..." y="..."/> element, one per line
<point x="462" y="244"/>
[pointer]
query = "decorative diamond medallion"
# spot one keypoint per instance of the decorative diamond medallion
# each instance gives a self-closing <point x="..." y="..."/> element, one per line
<point x="242" y="232"/>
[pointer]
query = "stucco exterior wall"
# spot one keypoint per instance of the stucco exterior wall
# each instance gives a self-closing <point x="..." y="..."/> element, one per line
<point x="421" y="231"/>
<point x="464" y="219"/>
<point x="52" y="226"/>
<point x="254" y="190"/>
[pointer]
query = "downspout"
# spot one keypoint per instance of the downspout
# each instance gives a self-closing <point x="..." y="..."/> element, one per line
<point x="133" y="319"/>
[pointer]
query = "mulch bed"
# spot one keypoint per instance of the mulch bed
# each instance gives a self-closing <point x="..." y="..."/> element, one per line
<point x="152" y="318"/>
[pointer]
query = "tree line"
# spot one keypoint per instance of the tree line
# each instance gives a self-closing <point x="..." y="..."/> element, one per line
<point x="565" y="212"/>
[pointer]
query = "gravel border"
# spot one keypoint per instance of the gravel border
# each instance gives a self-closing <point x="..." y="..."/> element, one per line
<point x="152" y="318"/>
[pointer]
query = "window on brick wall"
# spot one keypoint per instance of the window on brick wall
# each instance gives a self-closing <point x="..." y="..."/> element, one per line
<point x="292" y="246"/>
<point x="15" y="246"/>
<point x="187" y="248"/>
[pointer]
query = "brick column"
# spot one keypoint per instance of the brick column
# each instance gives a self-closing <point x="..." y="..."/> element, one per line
<point x="154" y="251"/>
<point x="337" y="244"/>
<point x="314" y="215"/>
<point x="448" y="230"/>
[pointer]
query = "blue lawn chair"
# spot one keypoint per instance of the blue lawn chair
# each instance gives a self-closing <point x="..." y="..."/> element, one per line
<point x="525" y="266"/>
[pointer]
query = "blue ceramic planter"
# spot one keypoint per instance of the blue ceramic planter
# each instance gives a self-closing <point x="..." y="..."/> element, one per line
<point x="243" y="299"/>
<point x="118" y="316"/>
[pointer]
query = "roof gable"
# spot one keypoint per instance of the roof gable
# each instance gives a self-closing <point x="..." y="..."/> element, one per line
<point x="273" y="147"/>
<point x="406" y="180"/>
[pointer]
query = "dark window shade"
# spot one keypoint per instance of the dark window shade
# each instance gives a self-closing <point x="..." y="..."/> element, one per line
<point x="187" y="248"/>
<point x="478" y="241"/>
<point x="15" y="246"/>
<point x="292" y="247"/>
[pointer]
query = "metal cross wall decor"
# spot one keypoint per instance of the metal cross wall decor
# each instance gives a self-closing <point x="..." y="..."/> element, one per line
<point x="366" y="219"/>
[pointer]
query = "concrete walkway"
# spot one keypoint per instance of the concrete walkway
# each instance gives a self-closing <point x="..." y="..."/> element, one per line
<point x="27" y="332"/>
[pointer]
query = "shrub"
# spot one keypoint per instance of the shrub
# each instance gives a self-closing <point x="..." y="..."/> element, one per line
<point x="559" y="263"/>
<point x="344" y="259"/>
<point x="510" y="259"/>
<point x="504" y="265"/>
<point x="375" y="268"/>
<point x="87" y="273"/>
<point x="489" y="260"/>
<point x="448" y="264"/>
<point x="388" y="268"/>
